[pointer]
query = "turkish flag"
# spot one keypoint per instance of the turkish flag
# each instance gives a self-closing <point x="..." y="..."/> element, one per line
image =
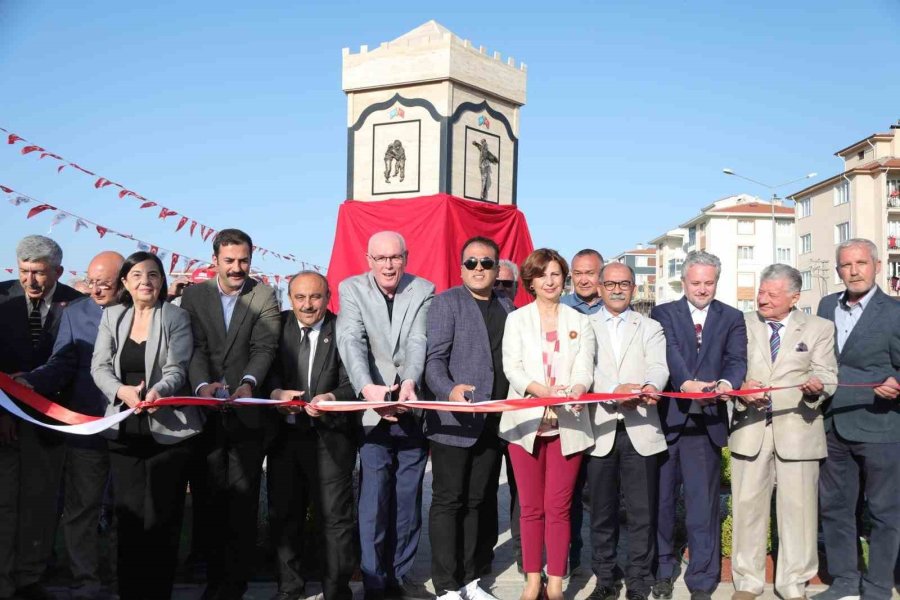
<point x="39" y="209"/>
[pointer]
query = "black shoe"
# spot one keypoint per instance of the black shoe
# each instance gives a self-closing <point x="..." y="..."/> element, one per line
<point x="34" y="591"/>
<point x="604" y="592"/>
<point x="662" y="589"/>
<point x="407" y="590"/>
<point x="635" y="595"/>
<point x="373" y="595"/>
<point x="698" y="595"/>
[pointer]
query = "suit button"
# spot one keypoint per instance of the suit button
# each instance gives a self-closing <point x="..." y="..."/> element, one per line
<point x="397" y="364"/>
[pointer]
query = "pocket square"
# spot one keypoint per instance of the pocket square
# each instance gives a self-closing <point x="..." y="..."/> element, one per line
<point x="801" y="347"/>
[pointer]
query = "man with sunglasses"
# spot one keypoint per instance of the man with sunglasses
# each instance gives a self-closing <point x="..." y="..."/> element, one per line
<point x="586" y="267"/>
<point x="464" y="364"/>
<point x="381" y="338"/>
<point x="631" y="358"/>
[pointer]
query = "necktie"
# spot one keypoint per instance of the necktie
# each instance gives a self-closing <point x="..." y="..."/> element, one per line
<point x="303" y="357"/>
<point x="35" y="327"/>
<point x="774" y="347"/>
<point x="698" y="331"/>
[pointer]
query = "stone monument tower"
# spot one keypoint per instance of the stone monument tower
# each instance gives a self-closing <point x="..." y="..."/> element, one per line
<point x="430" y="113"/>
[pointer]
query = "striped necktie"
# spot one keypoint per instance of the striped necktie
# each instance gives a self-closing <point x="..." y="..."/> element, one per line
<point x="35" y="327"/>
<point x="774" y="347"/>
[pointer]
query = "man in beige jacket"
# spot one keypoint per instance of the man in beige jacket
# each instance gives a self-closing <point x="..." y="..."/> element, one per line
<point x="779" y="437"/>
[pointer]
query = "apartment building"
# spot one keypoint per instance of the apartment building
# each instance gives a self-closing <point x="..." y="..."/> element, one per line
<point x="863" y="200"/>
<point x="745" y="232"/>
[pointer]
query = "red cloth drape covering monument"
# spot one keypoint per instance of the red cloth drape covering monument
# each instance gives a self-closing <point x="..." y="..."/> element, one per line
<point x="434" y="227"/>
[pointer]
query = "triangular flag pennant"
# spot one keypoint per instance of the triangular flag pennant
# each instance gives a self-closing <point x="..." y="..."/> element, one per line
<point x="148" y="204"/>
<point x="60" y="168"/>
<point x="191" y="264"/>
<point x="154" y="249"/>
<point x="181" y="223"/>
<point x="101" y="230"/>
<point x="162" y="254"/>
<point x="165" y="213"/>
<point x="79" y="225"/>
<point x="9" y="270"/>
<point x="82" y="169"/>
<point x="13" y="138"/>
<point x="6" y="189"/>
<point x="174" y="262"/>
<point x="125" y="192"/>
<point x="278" y="280"/>
<point x="30" y="149"/>
<point x="51" y="155"/>
<point x="209" y="232"/>
<point x="57" y="219"/>
<point x="193" y="227"/>
<point x="143" y="246"/>
<point x="203" y="231"/>
<point x="19" y="200"/>
<point x="39" y="209"/>
<point x="74" y="273"/>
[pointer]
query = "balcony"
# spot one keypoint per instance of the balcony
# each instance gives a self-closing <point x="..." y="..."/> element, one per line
<point x="893" y="243"/>
<point x="893" y="201"/>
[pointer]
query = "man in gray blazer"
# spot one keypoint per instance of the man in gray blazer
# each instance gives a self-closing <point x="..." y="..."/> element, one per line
<point x="381" y="339"/>
<point x="862" y="428"/>
<point x="236" y="324"/>
<point x="631" y="357"/>
<point x="465" y="364"/>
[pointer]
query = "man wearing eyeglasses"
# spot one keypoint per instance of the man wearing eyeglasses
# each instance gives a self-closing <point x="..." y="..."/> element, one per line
<point x="86" y="463"/>
<point x="631" y="359"/>
<point x="586" y="266"/>
<point x="465" y="364"/>
<point x="381" y="339"/>
<point x="507" y="282"/>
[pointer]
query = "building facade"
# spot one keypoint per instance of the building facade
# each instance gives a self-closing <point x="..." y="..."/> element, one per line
<point x="862" y="201"/>
<point x="745" y="232"/>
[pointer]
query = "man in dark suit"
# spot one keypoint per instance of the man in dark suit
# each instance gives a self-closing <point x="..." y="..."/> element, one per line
<point x="235" y="321"/>
<point x="381" y="337"/>
<point x="313" y="454"/>
<point x="67" y="373"/>
<point x="30" y="457"/>
<point x="862" y="428"/>
<point x="706" y="350"/>
<point x="464" y="363"/>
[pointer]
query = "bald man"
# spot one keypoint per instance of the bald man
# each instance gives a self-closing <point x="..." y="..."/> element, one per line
<point x="67" y="373"/>
<point x="381" y="338"/>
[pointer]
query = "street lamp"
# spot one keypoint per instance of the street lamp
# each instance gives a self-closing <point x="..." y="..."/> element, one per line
<point x="731" y="172"/>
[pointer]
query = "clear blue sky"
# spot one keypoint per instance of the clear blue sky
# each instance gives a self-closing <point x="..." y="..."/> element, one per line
<point x="233" y="111"/>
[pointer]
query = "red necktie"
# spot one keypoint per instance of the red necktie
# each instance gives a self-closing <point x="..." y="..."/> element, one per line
<point x="698" y="329"/>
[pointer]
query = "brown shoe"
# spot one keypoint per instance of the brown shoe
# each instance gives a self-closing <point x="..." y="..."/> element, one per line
<point x="744" y="596"/>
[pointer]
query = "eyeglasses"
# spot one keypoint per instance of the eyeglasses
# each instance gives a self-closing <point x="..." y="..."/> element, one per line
<point x="504" y="283"/>
<point x="103" y="286"/>
<point x="397" y="258"/>
<point x="622" y="285"/>
<point x="487" y="263"/>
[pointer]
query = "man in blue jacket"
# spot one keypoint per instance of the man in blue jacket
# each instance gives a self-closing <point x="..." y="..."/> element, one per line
<point x="706" y="350"/>
<point x="86" y="464"/>
<point x="464" y="364"/>
<point x="862" y="428"/>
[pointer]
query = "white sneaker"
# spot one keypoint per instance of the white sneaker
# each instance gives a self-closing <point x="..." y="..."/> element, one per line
<point x="473" y="592"/>
<point x="451" y="596"/>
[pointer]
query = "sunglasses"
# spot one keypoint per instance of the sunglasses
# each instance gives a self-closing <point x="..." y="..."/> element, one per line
<point x="504" y="283"/>
<point x="487" y="263"/>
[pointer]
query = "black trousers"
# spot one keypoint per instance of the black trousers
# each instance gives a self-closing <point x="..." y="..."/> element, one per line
<point x="234" y="456"/>
<point x="514" y="508"/>
<point x="464" y="487"/>
<point x="149" y="481"/>
<point x="636" y="476"/>
<point x="839" y="477"/>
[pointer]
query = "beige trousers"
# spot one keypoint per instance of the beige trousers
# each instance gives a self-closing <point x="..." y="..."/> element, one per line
<point x="796" y="503"/>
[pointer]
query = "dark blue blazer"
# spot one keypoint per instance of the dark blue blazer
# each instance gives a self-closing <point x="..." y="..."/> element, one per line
<point x="723" y="355"/>
<point x="458" y="352"/>
<point x="870" y="354"/>
<point x="67" y="373"/>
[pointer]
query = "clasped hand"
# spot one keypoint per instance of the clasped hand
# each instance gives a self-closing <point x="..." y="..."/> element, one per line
<point x="379" y="393"/>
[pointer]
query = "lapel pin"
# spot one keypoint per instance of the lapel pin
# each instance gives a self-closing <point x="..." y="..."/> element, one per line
<point x="573" y="334"/>
<point x="326" y="340"/>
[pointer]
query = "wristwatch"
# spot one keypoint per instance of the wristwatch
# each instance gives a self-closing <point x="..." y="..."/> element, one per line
<point x="248" y="381"/>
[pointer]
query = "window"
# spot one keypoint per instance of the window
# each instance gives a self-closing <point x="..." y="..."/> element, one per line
<point x="675" y="267"/>
<point x="806" y="279"/>
<point x="841" y="232"/>
<point x="640" y="261"/>
<point x="893" y="191"/>
<point x="692" y="236"/>
<point x="783" y="255"/>
<point x="842" y="193"/>
<point x="804" y="209"/>
<point x="745" y="227"/>
<point x="746" y="280"/>
<point x="805" y="243"/>
<point x="745" y="252"/>
<point x="746" y="305"/>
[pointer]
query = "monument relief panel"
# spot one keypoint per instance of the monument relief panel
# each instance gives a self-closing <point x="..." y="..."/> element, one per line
<point x="482" y="164"/>
<point x="396" y="157"/>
